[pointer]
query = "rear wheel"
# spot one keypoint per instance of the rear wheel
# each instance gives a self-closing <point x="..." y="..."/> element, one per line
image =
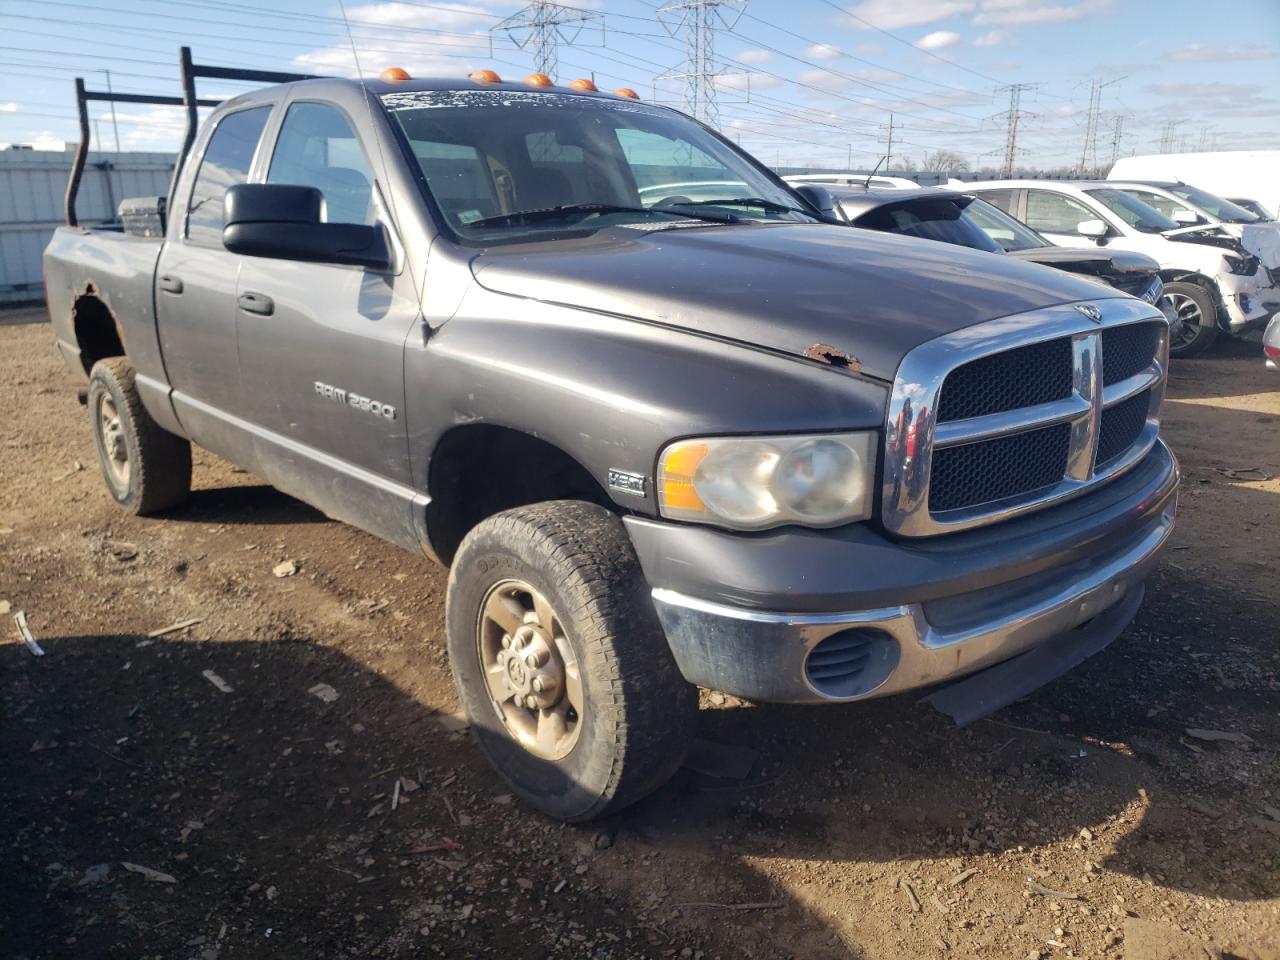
<point x="562" y="667"/>
<point x="1194" y="318"/>
<point x="146" y="469"/>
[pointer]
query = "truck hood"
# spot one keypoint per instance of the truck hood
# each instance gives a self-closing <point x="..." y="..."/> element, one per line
<point x="785" y="287"/>
<point x="1121" y="266"/>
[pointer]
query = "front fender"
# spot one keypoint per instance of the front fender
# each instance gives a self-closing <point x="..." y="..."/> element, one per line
<point x="611" y="392"/>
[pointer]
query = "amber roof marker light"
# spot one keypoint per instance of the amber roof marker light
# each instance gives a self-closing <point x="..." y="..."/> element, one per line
<point x="539" y="80"/>
<point x="582" y="83"/>
<point x="485" y="76"/>
<point x="394" y="75"/>
<point x="626" y="92"/>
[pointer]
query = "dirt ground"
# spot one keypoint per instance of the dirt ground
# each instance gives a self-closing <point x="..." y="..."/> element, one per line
<point x="1085" y="821"/>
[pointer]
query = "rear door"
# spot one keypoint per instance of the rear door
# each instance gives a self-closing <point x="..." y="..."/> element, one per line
<point x="322" y="345"/>
<point x="196" y="285"/>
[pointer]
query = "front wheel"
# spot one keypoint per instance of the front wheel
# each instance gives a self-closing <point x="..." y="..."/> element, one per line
<point x="1194" y="318"/>
<point x="560" y="662"/>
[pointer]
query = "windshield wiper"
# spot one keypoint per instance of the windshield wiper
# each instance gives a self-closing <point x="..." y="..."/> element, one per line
<point x="769" y="205"/>
<point x="570" y="209"/>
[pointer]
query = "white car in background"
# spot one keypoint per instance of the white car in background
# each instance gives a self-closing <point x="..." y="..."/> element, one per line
<point x="1254" y="174"/>
<point x="1211" y="282"/>
<point x="874" y="181"/>
<point x="1192" y="207"/>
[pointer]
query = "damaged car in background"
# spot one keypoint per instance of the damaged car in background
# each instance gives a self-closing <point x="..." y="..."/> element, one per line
<point x="942" y="214"/>
<point x="1212" y="284"/>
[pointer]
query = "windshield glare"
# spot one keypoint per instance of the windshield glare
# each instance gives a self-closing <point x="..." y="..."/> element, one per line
<point x="1214" y="206"/>
<point x="1132" y="211"/>
<point x="489" y="156"/>
<point x="1009" y="233"/>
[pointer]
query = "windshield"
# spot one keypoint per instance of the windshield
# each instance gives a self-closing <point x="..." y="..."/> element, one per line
<point x="1133" y="211"/>
<point x="527" y="165"/>
<point x="1214" y="206"/>
<point x="930" y="218"/>
<point x="1011" y="234"/>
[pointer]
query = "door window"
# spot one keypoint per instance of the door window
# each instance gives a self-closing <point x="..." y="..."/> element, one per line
<point x="226" y="162"/>
<point x="318" y="148"/>
<point x="1051" y="212"/>
<point x="999" y="198"/>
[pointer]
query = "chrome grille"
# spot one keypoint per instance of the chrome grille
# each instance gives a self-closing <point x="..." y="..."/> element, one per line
<point x="991" y="470"/>
<point x="1015" y="414"/>
<point x="1121" y="426"/>
<point x="1005" y="381"/>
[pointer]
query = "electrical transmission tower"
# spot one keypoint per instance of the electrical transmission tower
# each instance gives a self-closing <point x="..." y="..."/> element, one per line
<point x="544" y="25"/>
<point x="1013" y="115"/>
<point x="1090" y="150"/>
<point x="1117" y="137"/>
<point x="1167" y="134"/>
<point x="698" y="20"/>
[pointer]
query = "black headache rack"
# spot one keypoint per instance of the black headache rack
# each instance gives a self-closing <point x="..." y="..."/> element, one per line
<point x="188" y="72"/>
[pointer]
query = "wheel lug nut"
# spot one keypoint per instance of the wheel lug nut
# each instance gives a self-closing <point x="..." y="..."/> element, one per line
<point x="506" y="641"/>
<point x="537" y="684"/>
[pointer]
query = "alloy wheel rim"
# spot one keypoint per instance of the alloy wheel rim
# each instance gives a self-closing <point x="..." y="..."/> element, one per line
<point x="1188" y="319"/>
<point x="114" y="445"/>
<point x="530" y="669"/>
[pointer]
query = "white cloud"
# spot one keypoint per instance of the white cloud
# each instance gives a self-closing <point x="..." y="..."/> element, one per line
<point x="894" y="14"/>
<point x="1233" y="90"/>
<point x="1019" y="12"/>
<point x="868" y="49"/>
<point x="938" y="40"/>
<point x="746" y="82"/>
<point x="1207" y="53"/>
<point x="823" y="51"/>
<point x="992" y="39"/>
<point x="9" y="107"/>
<point x="755" y="56"/>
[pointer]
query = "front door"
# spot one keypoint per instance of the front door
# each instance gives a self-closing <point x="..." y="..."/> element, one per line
<point x="1058" y="217"/>
<point x="322" y="345"/>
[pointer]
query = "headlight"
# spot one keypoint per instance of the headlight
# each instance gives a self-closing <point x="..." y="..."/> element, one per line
<point x="1241" y="266"/>
<point x="752" y="483"/>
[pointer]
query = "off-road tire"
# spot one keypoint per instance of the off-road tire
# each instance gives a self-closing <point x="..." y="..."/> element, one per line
<point x="1207" y="330"/>
<point x="159" y="462"/>
<point x="640" y="712"/>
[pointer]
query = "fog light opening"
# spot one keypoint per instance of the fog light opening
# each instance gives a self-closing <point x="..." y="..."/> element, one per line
<point x="851" y="663"/>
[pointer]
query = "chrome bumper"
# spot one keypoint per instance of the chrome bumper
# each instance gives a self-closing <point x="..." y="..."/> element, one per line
<point x="767" y="656"/>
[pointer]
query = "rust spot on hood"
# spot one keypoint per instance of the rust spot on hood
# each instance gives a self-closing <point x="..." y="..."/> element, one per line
<point x="832" y="356"/>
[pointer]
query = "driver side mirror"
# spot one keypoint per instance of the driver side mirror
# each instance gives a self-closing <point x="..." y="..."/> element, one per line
<point x="1187" y="218"/>
<point x="1095" y="229"/>
<point x="284" y="221"/>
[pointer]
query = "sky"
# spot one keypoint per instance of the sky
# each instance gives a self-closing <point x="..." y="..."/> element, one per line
<point x="799" y="82"/>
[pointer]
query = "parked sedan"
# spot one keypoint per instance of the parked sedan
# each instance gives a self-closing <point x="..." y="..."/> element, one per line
<point x="1212" y="282"/>
<point x="950" y="217"/>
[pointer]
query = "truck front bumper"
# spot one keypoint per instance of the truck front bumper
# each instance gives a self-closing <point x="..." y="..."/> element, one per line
<point x="848" y="614"/>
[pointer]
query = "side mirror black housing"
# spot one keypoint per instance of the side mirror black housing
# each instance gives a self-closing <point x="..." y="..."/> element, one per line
<point x="819" y="198"/>
<point x="283" y="221"/>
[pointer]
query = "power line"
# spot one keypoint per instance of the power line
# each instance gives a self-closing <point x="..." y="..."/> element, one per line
<point x="1090" y="148"/>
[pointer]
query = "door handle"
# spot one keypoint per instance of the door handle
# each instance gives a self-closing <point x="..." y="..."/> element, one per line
<point x="258" y="303"/>
<point x="170" y="284"/>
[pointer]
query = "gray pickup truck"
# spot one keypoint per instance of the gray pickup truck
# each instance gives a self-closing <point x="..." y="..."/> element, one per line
<point x="668" y="426"/>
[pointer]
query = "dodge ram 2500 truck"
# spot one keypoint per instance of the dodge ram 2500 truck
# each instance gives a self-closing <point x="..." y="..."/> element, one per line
<point x="661" y="442"/>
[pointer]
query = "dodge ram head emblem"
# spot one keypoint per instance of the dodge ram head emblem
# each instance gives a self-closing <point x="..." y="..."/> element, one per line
<point x="1090" y="311"/>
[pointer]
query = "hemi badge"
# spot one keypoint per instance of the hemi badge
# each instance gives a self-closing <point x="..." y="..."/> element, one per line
<point x="624" y="482"/>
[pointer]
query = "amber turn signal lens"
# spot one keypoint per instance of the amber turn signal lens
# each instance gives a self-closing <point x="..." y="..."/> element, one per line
<point x="539" y="80"/>
<point x="485" y="76"/>
<point x="627" y="92"/>
<point x="584" y="84"/>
